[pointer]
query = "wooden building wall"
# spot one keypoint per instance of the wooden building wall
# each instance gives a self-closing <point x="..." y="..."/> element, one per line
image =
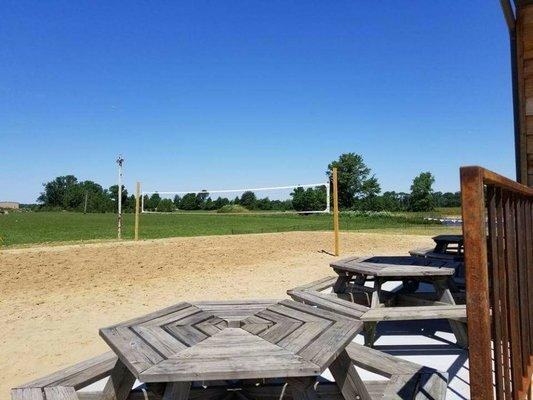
<point x="524" y="77"/>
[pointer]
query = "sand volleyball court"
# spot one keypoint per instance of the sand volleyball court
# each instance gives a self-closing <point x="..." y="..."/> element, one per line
<point x="54" y="299"/>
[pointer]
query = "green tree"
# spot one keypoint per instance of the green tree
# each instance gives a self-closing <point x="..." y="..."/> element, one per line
<point x="113" y="195"/>
<point x="392" y="201"/>
<point x="220" y="202"/>
<point x="264" y="204"/>
<point x="248" y="200"/>
<point x="153" y="202"/>
<point x="97" y="198"/>
<point x="130" y="204"/>
<point x="189" y="202"/>
<point x="62" y="192"/>
<point x="146" y="202"/>
<point x="447" y="199"/>
<point x="421" y="198"/>
<point x="310" y="199"/>
<point x="209" y="204"/>
<point x="165" y="205"/>
<point x="177" y="201"/>
<point x="355" y="181"/>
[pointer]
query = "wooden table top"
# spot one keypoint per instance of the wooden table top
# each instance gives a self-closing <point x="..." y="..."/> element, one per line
<point x="231" y="340"/>
<point x="395" y="266"/>
<point x="449" y="238"/>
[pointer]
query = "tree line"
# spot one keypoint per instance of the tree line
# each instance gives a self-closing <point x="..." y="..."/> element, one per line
<point x="358" y="189"/>
<point x="67" y="193"/>
<point x="301" y="200"/>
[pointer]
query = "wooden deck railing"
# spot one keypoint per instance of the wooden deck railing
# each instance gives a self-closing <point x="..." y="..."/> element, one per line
<point x="498" y="240"/>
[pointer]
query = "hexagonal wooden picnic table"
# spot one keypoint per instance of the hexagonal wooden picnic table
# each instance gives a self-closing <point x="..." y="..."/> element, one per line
<point x="234" y="340"/>
<point x="354" y="272"/>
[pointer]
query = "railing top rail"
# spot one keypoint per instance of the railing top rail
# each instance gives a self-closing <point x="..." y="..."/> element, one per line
<point x="493" y="178"/>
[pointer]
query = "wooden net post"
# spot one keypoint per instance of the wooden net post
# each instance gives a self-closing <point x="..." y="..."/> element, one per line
<point x="335" y="212"/>
<point x="137" y="198"/>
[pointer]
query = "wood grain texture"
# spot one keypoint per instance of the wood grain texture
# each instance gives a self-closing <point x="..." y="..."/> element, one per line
<point x="79" y="375"/>
<point x="455" y="312"/>
<point x="395" y="266"/>
<point x="347" y="378"/>
<point x="231" y="340"/>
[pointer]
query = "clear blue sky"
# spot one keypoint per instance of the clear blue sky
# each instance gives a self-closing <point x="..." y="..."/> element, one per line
<point x="218" y="94"/>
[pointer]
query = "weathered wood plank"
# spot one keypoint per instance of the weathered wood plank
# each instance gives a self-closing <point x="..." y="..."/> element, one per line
<point x="60" y="393"/>
<point x="347" y="378"/>
<point x="153" y="315"/>
<point x="324" y="302"/>
<point x="401" y="387"/>
<point x="395" y="266"/>
<point x="119" y="383"/>
<point x="169" y="318"/>
<point x="458" y="328"/>
<point x="319" y="312"/>
<point x="187" y="334"/>
<point x="209" y="327"/>
<point x="193" y="344"/>
<point x="165" y="343"/>
<point x="331" y="343"/>
<point x="457" y="312"/>
<point x="78" y="375"/>
<point x="382" y="363"/>
<point x="295" y="314"/>
<point x="319" y="285"/>
<point x="301" y="337"/>
<point x="132" y="350"/>
<point x="255" y="324"/>
<point x="302" y="388"/>
<point x="27" y="394"/>
<point x="432" y="386"/>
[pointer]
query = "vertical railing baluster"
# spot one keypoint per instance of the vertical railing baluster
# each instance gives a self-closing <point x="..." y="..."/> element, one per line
<point x="502" y="278"/>
<point x="512" y="293"/>
<point x="522" y="282"/>
<point x="495" y="290"/>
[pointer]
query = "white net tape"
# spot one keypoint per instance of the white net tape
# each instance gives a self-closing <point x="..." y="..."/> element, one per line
<point x="308" y="198"/>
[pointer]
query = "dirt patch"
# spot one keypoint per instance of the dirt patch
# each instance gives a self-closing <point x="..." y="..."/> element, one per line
<point x="54" y="299"/>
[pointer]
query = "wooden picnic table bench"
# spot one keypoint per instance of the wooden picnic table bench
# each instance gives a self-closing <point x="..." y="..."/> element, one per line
<point x="447" y="247"/>
<point x="450" y="248"/>
<point x="237" y="350"/>
<point x="352" y="275"/>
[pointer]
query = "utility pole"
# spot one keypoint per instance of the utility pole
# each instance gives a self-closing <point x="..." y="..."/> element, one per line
<point x="120" y="161"/>
<point x="85" y="205"/>
<point x="335" y="212"/>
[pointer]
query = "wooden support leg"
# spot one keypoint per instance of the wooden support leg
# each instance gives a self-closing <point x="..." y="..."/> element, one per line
<point x="376" y="295"/>
<point x="341" y="282"/>
<point x="157" y="388"/>
<point x="120" y="383"/>
<point x="458" y="328"/>
<point x="302" y="388"/>
<point x="360" y="280"/>
<point x="347" y="378"/>
<point x="177" y="391"/>
<point x="369" y="331"/>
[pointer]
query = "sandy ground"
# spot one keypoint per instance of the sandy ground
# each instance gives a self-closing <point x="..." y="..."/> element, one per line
<point x="54" y="299"/>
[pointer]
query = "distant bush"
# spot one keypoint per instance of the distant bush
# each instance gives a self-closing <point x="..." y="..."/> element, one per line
<point x="233" y="208"/>
<point x="380" y="214"/>
<point x="166" y="205"/>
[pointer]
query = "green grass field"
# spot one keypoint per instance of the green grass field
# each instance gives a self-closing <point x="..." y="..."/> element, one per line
<point x="24" y="228"/>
